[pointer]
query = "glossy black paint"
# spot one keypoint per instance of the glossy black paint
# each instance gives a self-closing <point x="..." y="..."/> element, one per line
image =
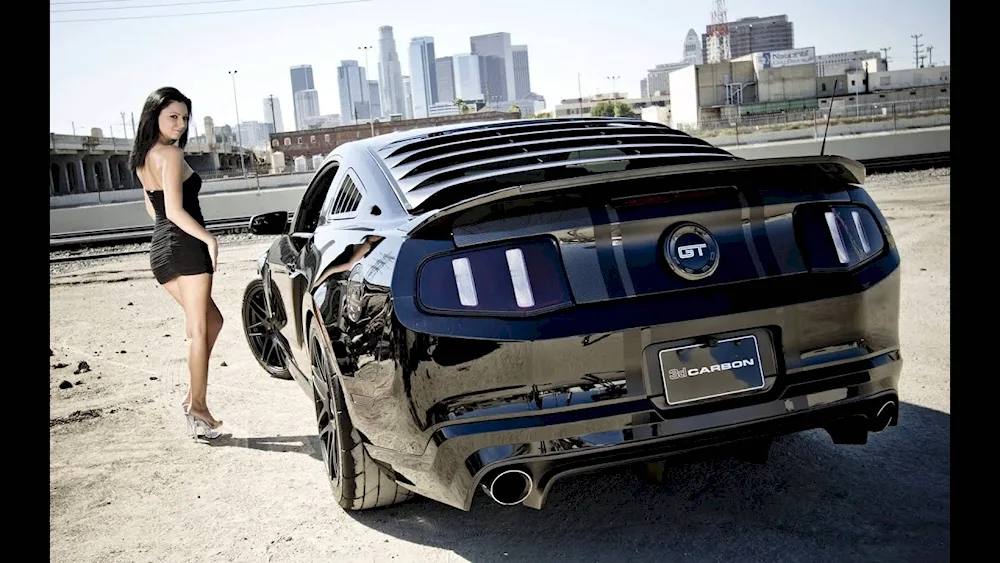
<point x="444" y="399"/>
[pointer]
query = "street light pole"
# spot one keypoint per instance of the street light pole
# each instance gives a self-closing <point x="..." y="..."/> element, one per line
<point x="614" y="94"/>
<point x="239" y="130"/>
<point x="367" y="90"/>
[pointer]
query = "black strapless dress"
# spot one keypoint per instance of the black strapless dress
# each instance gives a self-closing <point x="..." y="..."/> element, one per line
<point x="173" y="252"/>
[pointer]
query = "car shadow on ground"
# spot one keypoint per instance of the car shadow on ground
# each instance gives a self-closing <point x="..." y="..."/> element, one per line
<point x="308" y="445"/>
<point x="813" y="501"/>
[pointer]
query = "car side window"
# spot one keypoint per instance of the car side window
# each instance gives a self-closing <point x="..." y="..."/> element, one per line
<point x="348" y="200"/>
<point x="310" y="210"/>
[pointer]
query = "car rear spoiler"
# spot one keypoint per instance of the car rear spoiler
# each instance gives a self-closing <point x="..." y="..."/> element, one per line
<point x="851" y="171"/>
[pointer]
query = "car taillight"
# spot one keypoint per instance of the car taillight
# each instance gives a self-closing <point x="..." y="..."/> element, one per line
<point x="838" y="237"/>
<point x="516" y="278"/>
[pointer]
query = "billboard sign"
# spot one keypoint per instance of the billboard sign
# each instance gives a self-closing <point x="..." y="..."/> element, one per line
<point x="788" y="57"/>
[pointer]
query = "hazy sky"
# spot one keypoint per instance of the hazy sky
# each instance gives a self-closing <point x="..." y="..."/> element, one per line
<point x="102" y="68"/>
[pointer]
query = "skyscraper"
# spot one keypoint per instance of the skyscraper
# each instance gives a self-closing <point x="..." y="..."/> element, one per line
<point x="497" y="45"/>
<point x="352" y="89"/>
<point x="373" y="95"/>
<point x="390" y="74"/>
<point x="753" y="35"/>
<point x="408" y="96"/>
<point x="522" y="80"/>
<point x="272" y="114"/>
<point x="302" y="79"/>
<point x="492" y="79"/>
<point x="467" y="84"/>
<point x="444" y="66"/>
<point x="306" y="106"/>
<point x="423" y="75"/>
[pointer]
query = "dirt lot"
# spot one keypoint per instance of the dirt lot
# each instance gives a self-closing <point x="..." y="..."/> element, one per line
<point x="126" y="484"/>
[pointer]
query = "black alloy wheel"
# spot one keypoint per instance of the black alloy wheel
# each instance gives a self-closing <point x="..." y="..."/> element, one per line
<point x="261" y="331"/>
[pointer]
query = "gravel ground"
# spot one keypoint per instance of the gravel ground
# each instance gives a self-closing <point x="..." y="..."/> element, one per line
<point x="127" y="485"/>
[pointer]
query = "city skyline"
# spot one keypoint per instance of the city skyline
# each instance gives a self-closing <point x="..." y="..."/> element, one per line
<point x="87" y="92"/>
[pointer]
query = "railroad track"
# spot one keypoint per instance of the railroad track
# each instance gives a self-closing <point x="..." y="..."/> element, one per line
<point x="133" y="234"/>
<point x="906" y="163"/>
<point x="78" y="241"/>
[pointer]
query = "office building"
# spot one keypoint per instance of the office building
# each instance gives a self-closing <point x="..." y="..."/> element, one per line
<point x="492" y="79"/>
<point x="373" y="95"/>
<point x="408" y="96"/>
<point x="390" y="73"/>
<point x="497" y="45"/>
<point x="756" y="35"/>
<point x="272" y="114"/>
<point x="445" y="68"/>
<point x="306" y="104"/>
<point x="423" y="75"/>
<point x="467" y="84"/>
<point x="302" y="79"/>
<point x="522" y="78"/>
<point x="352" y="88"/>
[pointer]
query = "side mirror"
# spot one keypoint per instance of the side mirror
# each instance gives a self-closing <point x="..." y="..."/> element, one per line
<point x="273" y="223"/>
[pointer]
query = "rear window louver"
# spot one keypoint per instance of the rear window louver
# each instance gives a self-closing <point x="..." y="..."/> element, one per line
<point x="523" y="151"/>
<point x="348" y="198"/>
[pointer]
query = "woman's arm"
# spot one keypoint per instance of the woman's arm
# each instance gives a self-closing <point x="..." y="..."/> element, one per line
<point x="173" y="196"/>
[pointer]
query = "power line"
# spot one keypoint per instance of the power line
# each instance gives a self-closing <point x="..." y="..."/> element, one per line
<point x="150" y="16"/>
<point x="140" y="6"/>
<point x="88" y="2"/>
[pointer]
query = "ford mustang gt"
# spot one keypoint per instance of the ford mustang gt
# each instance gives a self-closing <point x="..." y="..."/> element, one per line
<point x="496" y="305"/>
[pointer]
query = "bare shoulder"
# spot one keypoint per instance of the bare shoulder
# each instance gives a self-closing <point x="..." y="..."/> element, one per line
<point x="166" y="154"/>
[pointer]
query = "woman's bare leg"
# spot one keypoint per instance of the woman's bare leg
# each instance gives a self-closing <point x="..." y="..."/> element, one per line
<point x="196" y="296"/>
<point x="215" y="322"/>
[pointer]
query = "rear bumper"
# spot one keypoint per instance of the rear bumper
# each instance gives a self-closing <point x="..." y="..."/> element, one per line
<point x="846" y="400"/>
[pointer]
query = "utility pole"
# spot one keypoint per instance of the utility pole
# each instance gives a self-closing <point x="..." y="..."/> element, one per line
<point x="114" y="149"/>
<point x="73" y="123"/>
<point x="916" y="49"/>
<point x="367" y="90"/>
<point x="239" y="132"/>
<point x="614" y="93"/>
<point x="930" y="59"/>
<point x="124" y="129"/>
<point x="133" y="124"/>
<point x="579" y="92"/>
<point x="922" y="57"/>
<point x="885" y="55"/>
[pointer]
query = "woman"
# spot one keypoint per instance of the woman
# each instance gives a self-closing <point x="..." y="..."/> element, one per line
<point x="183" y="255"/>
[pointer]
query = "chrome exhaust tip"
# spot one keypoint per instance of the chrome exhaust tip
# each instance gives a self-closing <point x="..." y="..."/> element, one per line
<point x="886" y="414"/>
<point x="509" y="487"/>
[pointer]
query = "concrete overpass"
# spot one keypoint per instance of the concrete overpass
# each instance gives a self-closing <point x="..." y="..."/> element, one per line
<point x="81" y="164"/>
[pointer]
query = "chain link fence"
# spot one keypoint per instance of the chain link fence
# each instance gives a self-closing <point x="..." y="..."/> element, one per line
<point x="842" y="113"/>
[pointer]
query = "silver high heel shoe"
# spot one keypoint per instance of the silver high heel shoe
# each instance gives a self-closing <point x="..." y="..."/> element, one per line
<point x="198" y="427"/>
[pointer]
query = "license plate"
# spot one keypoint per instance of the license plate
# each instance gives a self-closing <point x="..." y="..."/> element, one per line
<point x="697" y="372"/>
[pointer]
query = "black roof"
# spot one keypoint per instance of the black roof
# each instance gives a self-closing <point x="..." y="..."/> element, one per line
<point x="492" y="155"/>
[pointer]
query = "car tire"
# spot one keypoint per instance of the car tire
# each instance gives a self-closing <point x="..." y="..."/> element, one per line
<point x="358" y="482"/>
<point x="263" y="342"/>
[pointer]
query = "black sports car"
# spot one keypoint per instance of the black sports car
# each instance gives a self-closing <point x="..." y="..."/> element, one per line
<point x="498" y="305"/>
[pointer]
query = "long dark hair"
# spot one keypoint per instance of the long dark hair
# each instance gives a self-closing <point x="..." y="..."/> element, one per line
<point x="148" y="132"/>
